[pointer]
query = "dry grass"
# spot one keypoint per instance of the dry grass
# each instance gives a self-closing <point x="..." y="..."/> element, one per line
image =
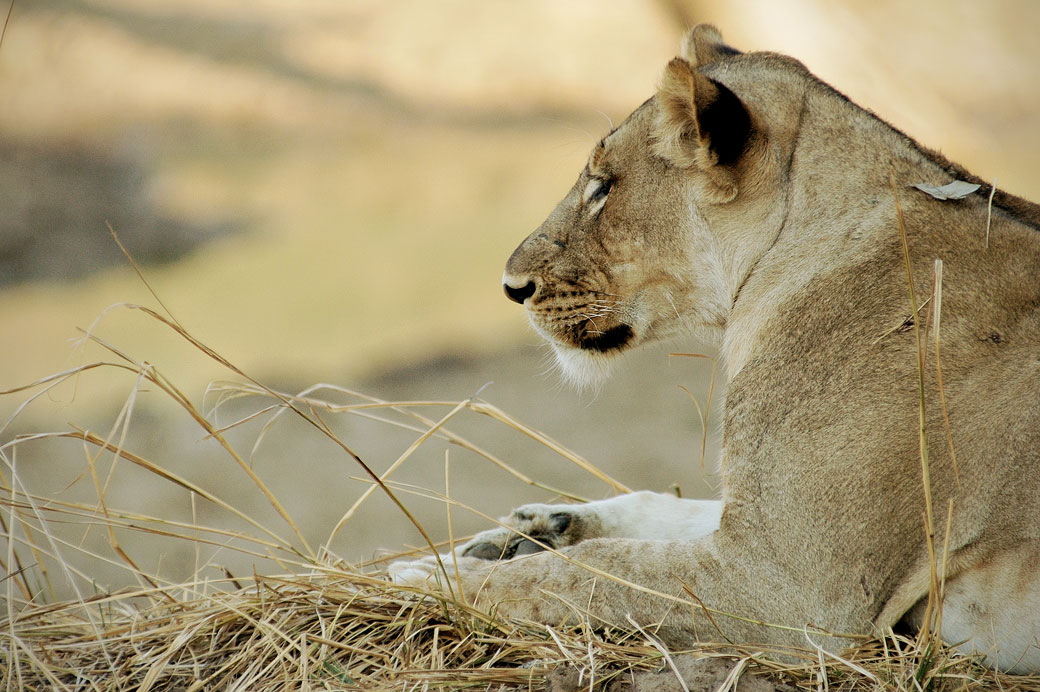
<point x="336" y="629"/>
<point x="320" y="623"/>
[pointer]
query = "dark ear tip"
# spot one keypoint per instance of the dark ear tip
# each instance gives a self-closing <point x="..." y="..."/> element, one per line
<point x="706" y="32"/>
<point x="704" y="45"/>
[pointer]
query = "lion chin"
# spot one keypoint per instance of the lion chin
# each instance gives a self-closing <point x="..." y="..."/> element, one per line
<point x="585" y="369"/>
<point x="585" y="358"/>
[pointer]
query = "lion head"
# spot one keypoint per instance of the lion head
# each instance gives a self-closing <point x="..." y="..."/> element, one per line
<point x="669" y="215"/>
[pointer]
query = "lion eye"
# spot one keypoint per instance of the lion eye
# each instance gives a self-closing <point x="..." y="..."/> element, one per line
<point x="596" y="193"/>
<point x="601" y="192"/>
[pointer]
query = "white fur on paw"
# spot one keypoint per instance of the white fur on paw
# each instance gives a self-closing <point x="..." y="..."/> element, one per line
<point x="424" y="573"/>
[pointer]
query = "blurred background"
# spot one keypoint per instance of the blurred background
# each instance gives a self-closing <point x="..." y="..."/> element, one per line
<point x="327" y="191"/>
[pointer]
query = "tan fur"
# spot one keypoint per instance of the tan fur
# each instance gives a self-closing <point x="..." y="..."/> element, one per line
<point x="787" y="253"/>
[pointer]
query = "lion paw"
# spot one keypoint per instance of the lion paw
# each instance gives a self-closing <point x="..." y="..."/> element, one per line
<point x="530" y="529"/>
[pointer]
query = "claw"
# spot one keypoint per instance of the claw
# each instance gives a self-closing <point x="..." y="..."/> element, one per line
<point x="526" y="547"/>
<point x="485" y="551"/>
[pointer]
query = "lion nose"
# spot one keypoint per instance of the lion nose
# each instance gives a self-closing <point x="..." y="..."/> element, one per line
<point x="519" y="293"/>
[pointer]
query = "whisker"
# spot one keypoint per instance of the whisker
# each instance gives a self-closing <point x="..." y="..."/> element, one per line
<point x="672" y="303"/>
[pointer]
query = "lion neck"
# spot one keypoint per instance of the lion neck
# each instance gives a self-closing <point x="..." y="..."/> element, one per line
<point x="839" y="209"/>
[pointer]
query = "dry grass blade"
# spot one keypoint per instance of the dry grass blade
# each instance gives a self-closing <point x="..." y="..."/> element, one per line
<point x="501" y="416"/>
<point x="152" y="375"/>
<point x="407" y="409"/>
<point x="140" y="274"/>
<point x="175" y="479"/>
<point x="703" y="415"/>
<point x="314" y="420"/>
<point x="45" y="385"/>
<point x="664" y="653"/>
<point x="989" y="209"/>
<point x="936" y="320"/>
<point x="7" y="20"/>
<point x="932" y="618"/>
<point x="394" y="466"/>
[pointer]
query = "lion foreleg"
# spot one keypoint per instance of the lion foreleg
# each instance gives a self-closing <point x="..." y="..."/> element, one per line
<point x="536" y="527"/>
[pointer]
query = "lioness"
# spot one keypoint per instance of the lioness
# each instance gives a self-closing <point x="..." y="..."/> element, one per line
<point x="753" y="205"/>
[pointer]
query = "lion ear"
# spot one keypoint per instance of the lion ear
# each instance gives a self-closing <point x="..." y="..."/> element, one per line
<point x="704" y="45"/>
<point x="700" y="122"/>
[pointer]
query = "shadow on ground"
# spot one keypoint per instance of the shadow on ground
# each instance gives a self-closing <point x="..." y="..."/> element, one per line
<point x="59" y="201"/>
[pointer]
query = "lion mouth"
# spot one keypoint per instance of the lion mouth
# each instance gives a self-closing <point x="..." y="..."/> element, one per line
<point x="586" y="335"/>
<point x="584" y="325"/>
<point x="585" y="352"/>
<point x="612" y="339"/>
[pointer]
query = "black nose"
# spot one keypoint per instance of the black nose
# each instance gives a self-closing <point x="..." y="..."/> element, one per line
<point x="519" y="295"/>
